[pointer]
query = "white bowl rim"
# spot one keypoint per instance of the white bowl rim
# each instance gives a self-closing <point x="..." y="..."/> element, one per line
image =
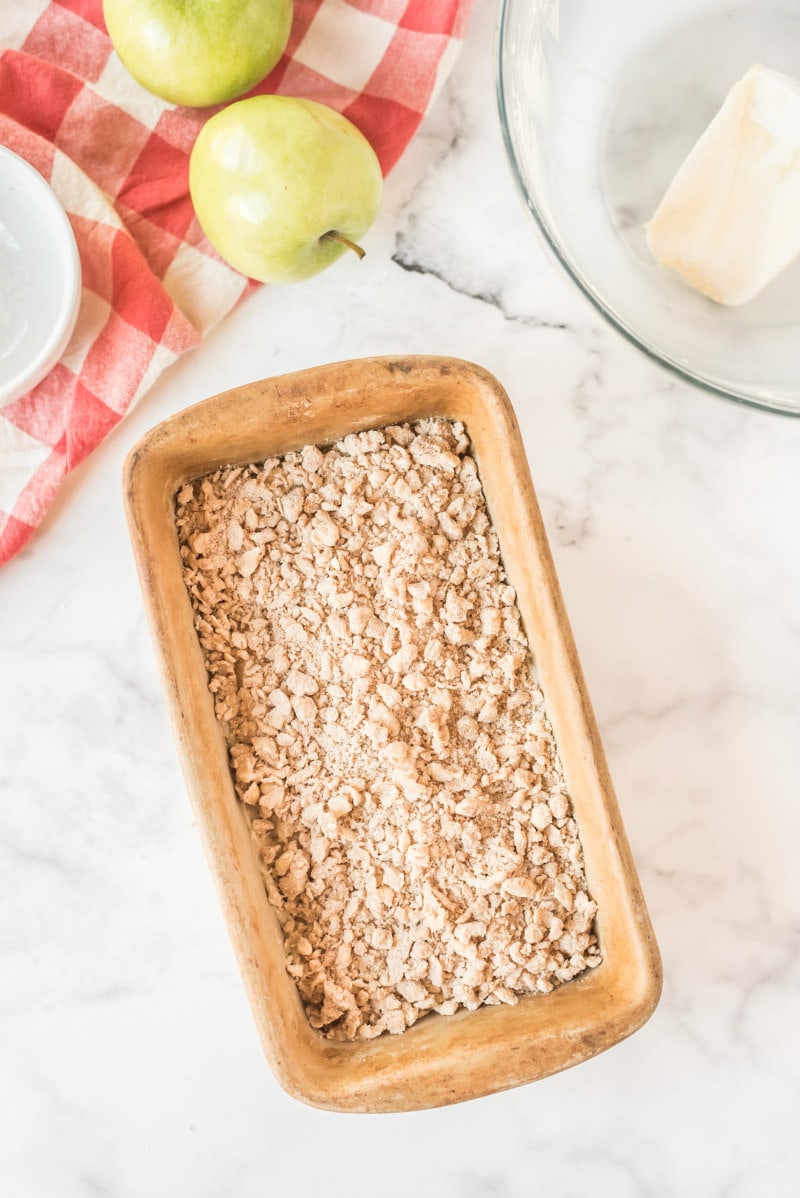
<point x="12" y="164"/>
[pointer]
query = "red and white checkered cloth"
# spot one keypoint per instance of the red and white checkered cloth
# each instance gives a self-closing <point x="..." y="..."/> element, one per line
<point x="117" y="158"/>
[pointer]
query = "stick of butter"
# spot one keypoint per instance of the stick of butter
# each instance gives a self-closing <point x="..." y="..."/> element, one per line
<point x="730" y="220"/>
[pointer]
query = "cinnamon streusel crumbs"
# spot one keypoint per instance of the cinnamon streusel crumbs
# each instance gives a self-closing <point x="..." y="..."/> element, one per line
<point x="387" y="735"/>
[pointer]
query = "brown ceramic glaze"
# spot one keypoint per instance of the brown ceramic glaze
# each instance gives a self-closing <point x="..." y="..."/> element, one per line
<point x="442" y="1059"/>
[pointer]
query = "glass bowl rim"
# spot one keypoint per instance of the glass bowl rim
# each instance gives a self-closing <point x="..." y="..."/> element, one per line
<point x="659" y="357"/>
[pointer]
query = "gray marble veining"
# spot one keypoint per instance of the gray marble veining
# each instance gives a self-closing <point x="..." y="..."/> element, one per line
<point x="130" y="1064"/>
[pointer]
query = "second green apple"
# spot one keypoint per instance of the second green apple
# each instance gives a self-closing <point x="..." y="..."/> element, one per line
<point x="283" y="187"/>
<point x="198" y="52"/>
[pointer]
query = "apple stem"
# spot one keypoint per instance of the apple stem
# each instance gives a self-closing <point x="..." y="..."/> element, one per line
<point x="332" y="235"/>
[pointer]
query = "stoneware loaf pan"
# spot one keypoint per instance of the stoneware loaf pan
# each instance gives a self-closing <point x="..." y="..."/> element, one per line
<point x="442" y="1059"/>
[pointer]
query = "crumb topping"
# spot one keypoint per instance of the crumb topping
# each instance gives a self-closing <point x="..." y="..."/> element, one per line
<point x="387" y="736"/>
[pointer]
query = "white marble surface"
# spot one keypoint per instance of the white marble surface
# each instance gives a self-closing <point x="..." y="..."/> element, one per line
<point x="129" y="1062"/>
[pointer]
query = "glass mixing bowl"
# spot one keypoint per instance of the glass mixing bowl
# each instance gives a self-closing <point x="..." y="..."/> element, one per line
<point x="599" y="104"/>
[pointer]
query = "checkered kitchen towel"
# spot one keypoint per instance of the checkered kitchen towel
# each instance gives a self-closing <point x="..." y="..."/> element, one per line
<point x="117" y="157"/>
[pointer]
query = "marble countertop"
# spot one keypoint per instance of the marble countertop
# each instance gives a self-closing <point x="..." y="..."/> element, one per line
<point x="130" y="1063"/>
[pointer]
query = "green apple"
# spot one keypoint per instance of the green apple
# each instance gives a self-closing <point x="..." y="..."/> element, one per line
<point x="198" y="52"/>
<point x="282" y="187"/>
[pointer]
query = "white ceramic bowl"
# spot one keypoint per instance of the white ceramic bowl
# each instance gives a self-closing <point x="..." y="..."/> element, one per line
<point x="40" y="277"/>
